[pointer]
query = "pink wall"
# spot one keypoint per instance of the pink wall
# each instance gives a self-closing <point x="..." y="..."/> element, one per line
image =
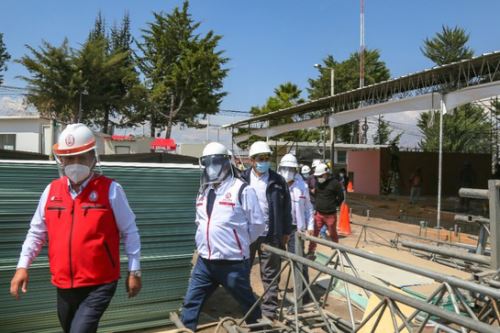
<point x="365" y="167"/>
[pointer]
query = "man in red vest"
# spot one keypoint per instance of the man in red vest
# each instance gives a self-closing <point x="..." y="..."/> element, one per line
<point x="82" y="215"/>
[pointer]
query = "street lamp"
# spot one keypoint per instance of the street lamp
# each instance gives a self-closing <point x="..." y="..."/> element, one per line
<point x="80" y="111"/>
<point x="332" y="92"/>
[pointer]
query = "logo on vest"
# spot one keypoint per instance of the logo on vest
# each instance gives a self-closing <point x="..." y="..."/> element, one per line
<point x="93" y="196"/>
<point x="228" y="196"/>
<point x="227" y="200"/>
<point x="70" y="140"/>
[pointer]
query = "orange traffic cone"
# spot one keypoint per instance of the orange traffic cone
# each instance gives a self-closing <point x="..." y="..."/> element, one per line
<point x="344" y="227"/>
<point x="350" y="189"/>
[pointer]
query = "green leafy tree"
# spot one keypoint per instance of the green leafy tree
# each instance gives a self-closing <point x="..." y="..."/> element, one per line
<point x="4" y="57"/>
<point x="383" y="133"/>
<point x="447" y="46"/>
<point x="347" y="78"/>
<point x="468" y="128"/>
<point x="183" y="70"/>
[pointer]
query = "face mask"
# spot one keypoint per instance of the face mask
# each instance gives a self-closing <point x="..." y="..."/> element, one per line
<point x="76" y="172"/>
<point x="262" y="167"/>
<point x="305" y="175"/>
<point x="341" y="174"/>
<point x="321" y="180"/>
<point x="287" y="174"/>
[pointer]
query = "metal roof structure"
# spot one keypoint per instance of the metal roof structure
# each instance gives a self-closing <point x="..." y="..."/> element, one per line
<point x="450" y="77"/>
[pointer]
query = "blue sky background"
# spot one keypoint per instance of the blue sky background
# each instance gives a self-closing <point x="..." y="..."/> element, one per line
<point x="268" y="41"/>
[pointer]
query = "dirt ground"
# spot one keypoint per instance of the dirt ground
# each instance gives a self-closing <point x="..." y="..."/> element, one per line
<point x="394" y="211"/>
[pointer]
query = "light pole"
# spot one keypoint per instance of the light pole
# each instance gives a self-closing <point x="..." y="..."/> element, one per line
<point x="80" y="111"/>
<point x="332" y="129"/>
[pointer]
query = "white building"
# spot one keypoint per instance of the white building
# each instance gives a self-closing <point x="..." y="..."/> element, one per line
<point x="25" y="132"/>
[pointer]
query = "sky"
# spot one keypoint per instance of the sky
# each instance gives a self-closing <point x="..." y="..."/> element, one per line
<point x="269" y="42"/>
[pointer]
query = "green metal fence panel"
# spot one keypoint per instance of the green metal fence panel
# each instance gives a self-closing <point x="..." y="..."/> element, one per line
<point x="163" y="199"/>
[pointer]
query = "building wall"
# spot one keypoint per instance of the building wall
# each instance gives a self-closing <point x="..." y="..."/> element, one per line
<point x="364" y="169"/>
<point x="28" y="132"/>
<point x="191" y="149"/>
<point x="139" y="146"/>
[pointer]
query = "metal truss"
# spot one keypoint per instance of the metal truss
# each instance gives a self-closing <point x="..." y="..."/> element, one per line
<point x="475" y="306"/>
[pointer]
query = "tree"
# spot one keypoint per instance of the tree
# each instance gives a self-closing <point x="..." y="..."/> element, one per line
<point x="4" y="57"/>
<point x="466" y="131"/>
<point x="347" y="78"/>
<point x="384" y="132"/>
<point x="183" y="70"/>
<point x="447" y="46"/>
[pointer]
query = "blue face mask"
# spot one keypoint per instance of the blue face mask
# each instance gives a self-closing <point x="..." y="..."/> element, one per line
<point x="262" y="167"/>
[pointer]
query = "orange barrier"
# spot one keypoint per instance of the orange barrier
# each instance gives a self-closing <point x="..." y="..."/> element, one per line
<point x="344" y="227"/>
<point x="350" y="187"/>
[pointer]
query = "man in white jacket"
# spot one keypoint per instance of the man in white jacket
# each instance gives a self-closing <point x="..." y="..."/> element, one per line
<point x="302" y="209"/>
<point x="229" y="220"/>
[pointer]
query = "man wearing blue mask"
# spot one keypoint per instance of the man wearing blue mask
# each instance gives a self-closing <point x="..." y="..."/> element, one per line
<point x="274" y="201"/>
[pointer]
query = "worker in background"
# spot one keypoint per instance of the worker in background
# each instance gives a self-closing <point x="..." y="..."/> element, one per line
<point x="302" y="210"/>
<point x="274" y="201"/>
<point x="305" y="171"/>
<point x="229" y="219"/>
<point x="329" y="195"/>
<point x="82" y="216"/>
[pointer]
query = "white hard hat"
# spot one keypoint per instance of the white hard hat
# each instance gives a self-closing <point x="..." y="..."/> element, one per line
<point x="321" y="169"/>
<point x="289" y="161"/>
<point x="215" y="148"/>
<point x="75" y="139"/>
<point x="315" y="163"/>
<point x="305" y="169"/>
<point x="259" y="147"/>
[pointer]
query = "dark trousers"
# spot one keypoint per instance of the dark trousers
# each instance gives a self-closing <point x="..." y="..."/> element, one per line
<point x="291" y="248"/>
<point x="207" y="275"/>
<point x="80" y="309"/>
<point x="270" y="265"/>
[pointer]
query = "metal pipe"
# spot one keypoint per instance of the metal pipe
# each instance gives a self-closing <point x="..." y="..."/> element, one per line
<point x="471" y="218"/>
<point x="454" y="281"/>
<point x="410" y="235"/>
<point x="412" y="302"/>
<point x="473" y="193"/>
<point x="476" y="258"/>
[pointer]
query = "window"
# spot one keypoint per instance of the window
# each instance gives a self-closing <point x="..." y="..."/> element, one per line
<point x="122" y="150"/>
<point x="342" y="156"/>
<point x="8" y="141"/>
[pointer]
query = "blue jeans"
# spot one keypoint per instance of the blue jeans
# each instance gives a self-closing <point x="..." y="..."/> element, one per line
<point x="207" y="275"/>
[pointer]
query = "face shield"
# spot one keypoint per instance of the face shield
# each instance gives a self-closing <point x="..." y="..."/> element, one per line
<point x="287" y="172"/>
<point x="215" y="169"/>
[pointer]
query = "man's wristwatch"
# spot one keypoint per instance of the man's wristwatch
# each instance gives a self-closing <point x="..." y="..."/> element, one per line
<point x="135" y="273"/>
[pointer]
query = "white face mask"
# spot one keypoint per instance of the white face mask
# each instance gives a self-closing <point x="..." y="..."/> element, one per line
<point x="287" y="174"/>
<point x="76" y="172"/>
<point x="321" y="180"/>
<point x="213" y="171"/>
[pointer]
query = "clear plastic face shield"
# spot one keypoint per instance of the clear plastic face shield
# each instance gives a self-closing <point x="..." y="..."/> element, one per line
<point x="215" y="169"/>
<point x="287" y="172"/>
<point x="78" y="167"/>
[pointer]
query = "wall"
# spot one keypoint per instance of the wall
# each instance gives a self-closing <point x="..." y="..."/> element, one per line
<point x="428" y="162"/>
<point x="139" y="146"/>
<point x="189" y="149"/>
<point x="365" y="167"/>
<point x="28" y="132"/>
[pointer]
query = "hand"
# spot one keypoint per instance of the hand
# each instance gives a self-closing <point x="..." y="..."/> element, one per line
<point x="20" y="280"/>
<point x="133" y="285"/>
<point x="310" y="232"/>
<point x="285" y="240"/>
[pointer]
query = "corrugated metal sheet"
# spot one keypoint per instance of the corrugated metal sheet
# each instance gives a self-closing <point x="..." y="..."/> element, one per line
<point x="163" y="200"/>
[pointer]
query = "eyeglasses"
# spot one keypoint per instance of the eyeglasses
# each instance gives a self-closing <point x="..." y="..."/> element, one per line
<point x="262" y="158"/>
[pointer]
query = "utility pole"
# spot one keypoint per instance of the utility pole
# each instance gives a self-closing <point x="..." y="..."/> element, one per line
<point x="364" y="128"/>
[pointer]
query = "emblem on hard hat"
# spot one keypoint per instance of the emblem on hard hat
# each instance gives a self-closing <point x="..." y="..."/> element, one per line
<point x="70" y="140"/>
<point x="93" y="196"/>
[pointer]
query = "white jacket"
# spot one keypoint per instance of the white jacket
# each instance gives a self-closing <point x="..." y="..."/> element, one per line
<point x="232" y="226"/>
<point x="302" y="210"/>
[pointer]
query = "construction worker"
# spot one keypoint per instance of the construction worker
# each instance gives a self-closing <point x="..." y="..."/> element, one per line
<point x="302" y="210"/>
<point x="229" y="220"/>
<point x="305" y="171"/>
<point x="329" y="195"/>
<point x="82" y="215"/>
<point x="274" y="201"/>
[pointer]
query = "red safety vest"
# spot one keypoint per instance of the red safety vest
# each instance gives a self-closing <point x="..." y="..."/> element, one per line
<point x="84" y="241"/>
